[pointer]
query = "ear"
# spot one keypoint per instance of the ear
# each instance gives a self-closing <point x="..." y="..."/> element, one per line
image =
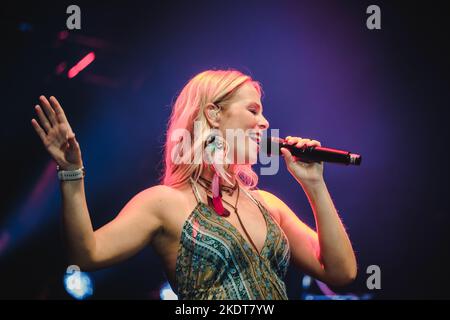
<point x="212" y="114"/>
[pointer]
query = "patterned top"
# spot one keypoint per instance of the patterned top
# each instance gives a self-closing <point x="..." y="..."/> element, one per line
<point x="216" y="262"/>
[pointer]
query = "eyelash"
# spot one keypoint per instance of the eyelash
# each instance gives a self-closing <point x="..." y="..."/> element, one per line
<point x="253" y="111"/>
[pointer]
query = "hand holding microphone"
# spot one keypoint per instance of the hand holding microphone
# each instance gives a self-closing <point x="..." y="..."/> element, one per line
<point x="307" y="151"/>
<point x="304" y="157"/>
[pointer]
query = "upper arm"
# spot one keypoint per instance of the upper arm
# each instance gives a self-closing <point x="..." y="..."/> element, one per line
<point x="131" y="230"/>
<point x="303" y="241"/>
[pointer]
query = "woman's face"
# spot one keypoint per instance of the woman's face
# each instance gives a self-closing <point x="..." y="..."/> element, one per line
<point x="244" y="121"/>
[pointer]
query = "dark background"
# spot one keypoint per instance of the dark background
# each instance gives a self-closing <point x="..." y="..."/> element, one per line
<point x="381" y="93"/>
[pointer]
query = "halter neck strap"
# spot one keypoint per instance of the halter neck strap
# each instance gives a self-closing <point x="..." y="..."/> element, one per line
<point x="194" y="188"/>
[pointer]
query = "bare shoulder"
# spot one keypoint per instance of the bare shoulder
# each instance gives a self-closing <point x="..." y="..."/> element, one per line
<point x="270" y="201"/>
<point x="158" y="199"/>
<point x="287" y="217"/>
<point x="160" y="192"/>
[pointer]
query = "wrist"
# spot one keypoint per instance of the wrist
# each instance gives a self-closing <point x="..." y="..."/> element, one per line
<point x="69" y="167"/>
<point x="313" y="185"/>
<point x="70" y="175"/>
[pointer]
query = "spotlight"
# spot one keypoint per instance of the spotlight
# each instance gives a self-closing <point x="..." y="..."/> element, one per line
<point x="78" y="284"/>
<point x="166" y="292"/>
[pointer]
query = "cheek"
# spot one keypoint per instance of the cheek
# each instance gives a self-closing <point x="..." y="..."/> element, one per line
<point x="253" y="122"/>
<point x="243" y="119"/>
<point x="247" y="119"/>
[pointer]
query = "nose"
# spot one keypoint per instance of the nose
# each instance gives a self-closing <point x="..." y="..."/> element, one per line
<point x="263" y="124"/>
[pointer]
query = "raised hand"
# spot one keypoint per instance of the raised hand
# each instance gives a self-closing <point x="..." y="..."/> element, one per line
<point x="56" y="134"/>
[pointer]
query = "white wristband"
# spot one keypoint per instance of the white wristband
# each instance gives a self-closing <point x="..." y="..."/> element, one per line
<point x="65" y="175"/>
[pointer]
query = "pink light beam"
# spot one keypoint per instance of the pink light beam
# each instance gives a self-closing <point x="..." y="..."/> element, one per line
<point x="83" y="63"/>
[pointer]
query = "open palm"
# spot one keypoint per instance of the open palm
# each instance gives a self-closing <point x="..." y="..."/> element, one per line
<point x="56" y="134"/>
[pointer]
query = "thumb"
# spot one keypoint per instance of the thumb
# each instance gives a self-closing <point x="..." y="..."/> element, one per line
<point x="287" y="154"/>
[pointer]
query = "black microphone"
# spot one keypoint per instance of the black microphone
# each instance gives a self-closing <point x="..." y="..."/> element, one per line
<point x="310" y="154"/>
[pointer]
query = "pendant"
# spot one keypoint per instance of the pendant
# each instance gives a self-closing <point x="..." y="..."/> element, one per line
<point x="220" y="209"/>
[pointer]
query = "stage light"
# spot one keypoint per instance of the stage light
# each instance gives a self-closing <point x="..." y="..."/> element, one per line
<point x="62" y="35"/>
<point x="83" y="63"/>
<point x="306" y="282"/>
<point x="78" y="284"/>
<point x="166" y="292"/>
<point x="326" y="293"/>
<point x="60" y="68"/>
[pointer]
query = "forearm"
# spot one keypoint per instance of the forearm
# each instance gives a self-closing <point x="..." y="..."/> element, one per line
<point x="336" y="252"/>
<point x="77" y="225"/>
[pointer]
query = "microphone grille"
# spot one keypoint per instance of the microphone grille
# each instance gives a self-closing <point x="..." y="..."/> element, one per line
<point x="355" y="159"/>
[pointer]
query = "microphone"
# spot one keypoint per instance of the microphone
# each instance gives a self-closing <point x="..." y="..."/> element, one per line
<point x="311" y="154"/>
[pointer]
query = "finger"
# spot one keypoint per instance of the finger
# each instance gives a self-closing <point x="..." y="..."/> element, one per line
<point x="41" y="133"/>
<point x="70" y="135"/>
<point x="292" y="140"/>
<point x="60" y="115"/>
<point x="314" y="143"/>
<point x="302" y="143"/>
<point x="286" y="153"/>
<point x="43" y="118"/>
<point x="72" y="142"/>
<point x="48" y="110"/>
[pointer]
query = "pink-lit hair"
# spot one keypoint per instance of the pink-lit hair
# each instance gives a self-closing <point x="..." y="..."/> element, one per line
<point x="210" y="86"/>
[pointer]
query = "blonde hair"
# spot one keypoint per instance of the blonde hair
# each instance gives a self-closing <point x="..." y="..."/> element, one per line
<point x="210" y="86"/>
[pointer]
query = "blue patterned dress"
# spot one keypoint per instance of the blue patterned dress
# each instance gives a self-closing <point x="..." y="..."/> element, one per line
<point x="216" y="262"/>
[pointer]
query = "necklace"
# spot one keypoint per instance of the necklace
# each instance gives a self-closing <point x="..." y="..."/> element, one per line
<point x="205" y="183"/>
<point x="227" y="213"/>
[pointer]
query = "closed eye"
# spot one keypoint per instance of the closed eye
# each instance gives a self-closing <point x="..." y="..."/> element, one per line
<point x="254" y="108"/>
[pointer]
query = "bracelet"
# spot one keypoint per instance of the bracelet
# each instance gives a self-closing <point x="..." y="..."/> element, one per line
<point x="67" y="175"/>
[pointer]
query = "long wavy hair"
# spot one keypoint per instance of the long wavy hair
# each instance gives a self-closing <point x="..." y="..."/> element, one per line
<point x="210" y="86"/>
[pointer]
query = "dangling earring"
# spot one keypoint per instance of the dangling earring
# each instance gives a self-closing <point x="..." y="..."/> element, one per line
<point x="215" y="154"/>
